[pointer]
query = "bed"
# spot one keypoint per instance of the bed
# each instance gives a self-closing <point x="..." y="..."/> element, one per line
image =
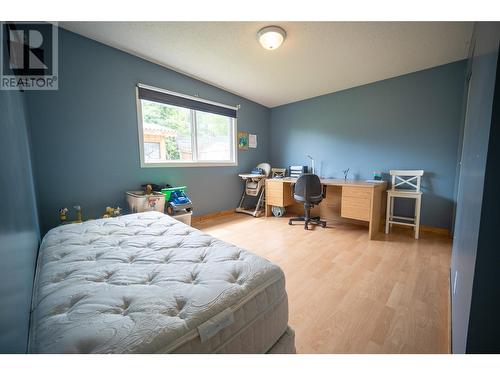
<point x="147" y="283"/>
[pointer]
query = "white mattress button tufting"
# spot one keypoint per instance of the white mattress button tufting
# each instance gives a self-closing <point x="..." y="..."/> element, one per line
<point x="138" y="283"/>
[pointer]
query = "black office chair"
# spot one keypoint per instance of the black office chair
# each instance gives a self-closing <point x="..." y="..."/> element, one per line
<point x="309" y="191"/>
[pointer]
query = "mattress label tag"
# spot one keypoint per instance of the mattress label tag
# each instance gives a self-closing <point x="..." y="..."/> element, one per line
<point x="213" y="325"/>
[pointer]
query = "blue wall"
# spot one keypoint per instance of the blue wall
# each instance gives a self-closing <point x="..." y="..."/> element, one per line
<point x="407" y="122"/>
<point x="85" y="141"/>
<point x="86" y="151"/>
<point x="19" y="233"/>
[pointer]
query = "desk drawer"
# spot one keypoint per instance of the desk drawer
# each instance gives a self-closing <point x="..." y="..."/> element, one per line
<point x="356" y="207"/>
<point x="356" y="192"/>
<point x="274" y="199"/>
<point x="278" y="193"/>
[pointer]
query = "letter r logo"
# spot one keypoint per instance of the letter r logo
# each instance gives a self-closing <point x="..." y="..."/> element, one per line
<point x="18" y="45"/>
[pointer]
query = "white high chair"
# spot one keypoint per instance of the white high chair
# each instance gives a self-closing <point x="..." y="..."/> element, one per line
<point x="254" y="186"/>
<point x="405" y="184"/>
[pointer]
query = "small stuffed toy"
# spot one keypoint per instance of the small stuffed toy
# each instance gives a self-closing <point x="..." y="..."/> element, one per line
<point x="108" y="213"/>
<point x="62" y="215"/>
<point x="112" y="212"/>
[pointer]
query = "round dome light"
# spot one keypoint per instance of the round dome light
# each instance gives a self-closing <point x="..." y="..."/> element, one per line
<point x="271" y="37"/>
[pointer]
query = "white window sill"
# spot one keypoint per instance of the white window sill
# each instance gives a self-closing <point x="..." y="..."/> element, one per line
<point x="189" y="164"/>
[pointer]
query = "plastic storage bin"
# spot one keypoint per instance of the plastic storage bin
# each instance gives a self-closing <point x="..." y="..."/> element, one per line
<point x="184" y="217"/>
<point x="139" y="201"/>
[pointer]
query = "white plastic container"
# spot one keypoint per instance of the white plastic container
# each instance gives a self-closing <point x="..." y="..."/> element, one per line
<point x="184" y="217"/>
<point x="139" y="201"/>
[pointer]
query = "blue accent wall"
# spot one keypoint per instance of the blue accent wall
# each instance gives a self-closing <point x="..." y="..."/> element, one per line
<point x="408" y="122"/>
<point x="86" y="150"/>
<point x="85" y="141"/>
<point x="19" y="232"/>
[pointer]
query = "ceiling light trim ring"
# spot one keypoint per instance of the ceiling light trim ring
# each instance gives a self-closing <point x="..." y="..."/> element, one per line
<point x="271" y="37"/>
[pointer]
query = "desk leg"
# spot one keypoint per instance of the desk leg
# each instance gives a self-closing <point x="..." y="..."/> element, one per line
<point x="268" y="210"/>
<point x="372" y="232"/>
<point x="376" y="213"/>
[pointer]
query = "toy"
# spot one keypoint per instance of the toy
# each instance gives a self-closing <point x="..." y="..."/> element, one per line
<point x="78" y="214"/>
<point x="112" y="212"/>
<point x="177" y="200"/>
<point x="62" y="215"/>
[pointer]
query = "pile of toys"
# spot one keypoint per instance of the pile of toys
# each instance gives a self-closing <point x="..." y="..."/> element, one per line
<point x="152" y="197"/>
<point x="63" y="214"/>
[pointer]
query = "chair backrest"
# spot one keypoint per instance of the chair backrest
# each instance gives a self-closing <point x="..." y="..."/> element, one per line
<point x="308" y="188"/>
<point x="265" y="167"/>
<point x="408" y="180"/>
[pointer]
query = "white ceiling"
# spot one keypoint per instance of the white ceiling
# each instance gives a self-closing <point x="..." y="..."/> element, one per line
<point x="316" y="58"/>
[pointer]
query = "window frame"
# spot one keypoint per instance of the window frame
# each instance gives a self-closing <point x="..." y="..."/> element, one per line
<point x="194" y="136"/>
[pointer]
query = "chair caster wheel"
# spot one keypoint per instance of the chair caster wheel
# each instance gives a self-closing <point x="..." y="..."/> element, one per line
<point x="323" y="225"/>
<point x="289" y="223"/>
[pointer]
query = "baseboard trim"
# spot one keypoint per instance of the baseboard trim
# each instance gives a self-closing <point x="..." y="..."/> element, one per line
<point x="425" y="229"/>
<point x="219" y="214"/>
<point x="211" y="216"/>
<point x="436" y="230"/>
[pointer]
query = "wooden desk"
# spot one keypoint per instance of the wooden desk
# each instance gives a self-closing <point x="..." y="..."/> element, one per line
<point x="352" y="200"/>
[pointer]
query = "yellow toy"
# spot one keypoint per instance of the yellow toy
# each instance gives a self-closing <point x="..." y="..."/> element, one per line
<point x="62" y="215"/>
<point x="112" y="212"/>
<point x="78" y="210"/>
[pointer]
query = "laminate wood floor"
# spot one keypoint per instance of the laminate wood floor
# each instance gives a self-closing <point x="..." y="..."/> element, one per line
<point x="351" y="295"/>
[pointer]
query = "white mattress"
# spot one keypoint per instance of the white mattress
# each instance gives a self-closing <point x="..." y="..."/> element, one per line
<point x="146" y="283"/>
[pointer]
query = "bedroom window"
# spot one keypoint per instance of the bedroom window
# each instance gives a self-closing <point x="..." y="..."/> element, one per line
<point x="178" y="130"/>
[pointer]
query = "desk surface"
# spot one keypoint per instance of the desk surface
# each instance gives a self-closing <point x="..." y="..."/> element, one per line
<point x="336" y="182"/>
<point x="251" y="175"/>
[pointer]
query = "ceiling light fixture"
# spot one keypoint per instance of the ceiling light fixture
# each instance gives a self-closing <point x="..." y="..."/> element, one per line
<point x="271" y="37"/>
